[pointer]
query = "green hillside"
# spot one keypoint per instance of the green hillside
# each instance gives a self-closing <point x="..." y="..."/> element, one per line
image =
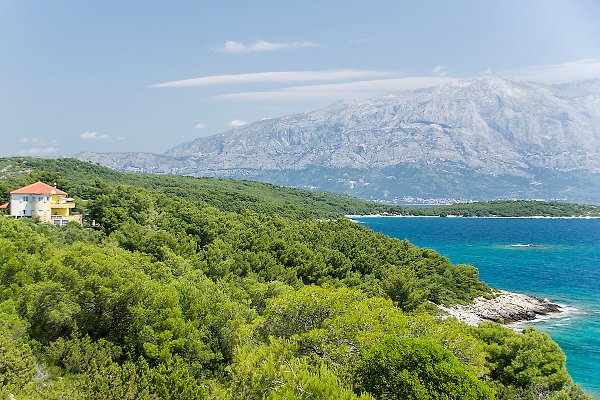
<point x="77" y="177"/>
<point x="194" y="289"/>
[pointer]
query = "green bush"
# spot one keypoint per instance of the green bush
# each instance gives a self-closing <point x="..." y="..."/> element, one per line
<point x="416" y="369"/>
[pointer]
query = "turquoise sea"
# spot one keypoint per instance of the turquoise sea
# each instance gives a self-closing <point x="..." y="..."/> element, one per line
<point x="562" y="265"/>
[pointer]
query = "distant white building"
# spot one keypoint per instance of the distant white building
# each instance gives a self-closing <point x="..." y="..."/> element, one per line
<point x="42" y="201"/>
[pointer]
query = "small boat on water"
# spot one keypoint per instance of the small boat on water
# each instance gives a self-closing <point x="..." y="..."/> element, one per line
<point x="521" y="245"/>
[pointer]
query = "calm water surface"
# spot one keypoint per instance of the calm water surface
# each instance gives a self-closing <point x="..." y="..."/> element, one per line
<point x="563" y="265"/>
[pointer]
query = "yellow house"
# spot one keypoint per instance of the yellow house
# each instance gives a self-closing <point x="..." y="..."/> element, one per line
<point x="44" y="202"/>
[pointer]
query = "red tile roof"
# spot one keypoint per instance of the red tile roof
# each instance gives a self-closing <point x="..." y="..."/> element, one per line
<point x="38" y="188"/>
<point x="5" y="205"/>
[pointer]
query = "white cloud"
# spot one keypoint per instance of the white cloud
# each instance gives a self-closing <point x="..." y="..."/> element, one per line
<point x="487" y="71"/>
<point x="38" y="151"/>
<point x="337" y="91"/>
<point x="554" y="73"/>
<point x="87" y="135"/>
<point x="120" y="138"/>
<point x="236" y="123"/>
<point x="441" y="70"/>
<point x="200" y="125"/>
<point x="38" y="147"/>
<point x="260" y="46"/>
<point x="275" y="77"/>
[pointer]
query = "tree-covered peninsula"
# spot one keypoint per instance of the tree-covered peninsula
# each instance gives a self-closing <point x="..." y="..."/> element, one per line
<point x="192" y="288"/>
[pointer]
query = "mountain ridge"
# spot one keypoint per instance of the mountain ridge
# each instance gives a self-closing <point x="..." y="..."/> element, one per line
<point x="483" y="127"/>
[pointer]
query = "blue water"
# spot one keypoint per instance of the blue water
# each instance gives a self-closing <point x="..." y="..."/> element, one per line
<point x="563" y="266"/>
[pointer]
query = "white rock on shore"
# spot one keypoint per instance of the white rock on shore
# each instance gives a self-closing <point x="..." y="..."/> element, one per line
<point x="507" y="307"/>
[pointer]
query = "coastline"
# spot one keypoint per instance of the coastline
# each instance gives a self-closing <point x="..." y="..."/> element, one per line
<point x="507" y="308"/>
<point x="350" y="216"/>
<point x="576" y="326"/>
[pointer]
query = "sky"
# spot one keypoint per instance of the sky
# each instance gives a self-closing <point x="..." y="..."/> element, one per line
<point x="115" y="76"/>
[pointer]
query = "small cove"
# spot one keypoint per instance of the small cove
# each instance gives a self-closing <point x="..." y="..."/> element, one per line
<point x="562" y="264"/>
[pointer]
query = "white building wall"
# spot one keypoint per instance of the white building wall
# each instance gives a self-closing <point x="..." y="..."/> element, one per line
<point x="29" y="205"/>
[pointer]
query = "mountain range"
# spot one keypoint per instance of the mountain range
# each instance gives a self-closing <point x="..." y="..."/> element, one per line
<point x="479" y="139"/>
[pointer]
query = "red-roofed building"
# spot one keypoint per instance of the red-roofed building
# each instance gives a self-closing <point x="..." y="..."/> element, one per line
<point x="44" y="202"/>
<point x="38" y="188"/>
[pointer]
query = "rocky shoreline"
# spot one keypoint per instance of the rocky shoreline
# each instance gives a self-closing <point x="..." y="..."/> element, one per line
<point x="506" y="307"/>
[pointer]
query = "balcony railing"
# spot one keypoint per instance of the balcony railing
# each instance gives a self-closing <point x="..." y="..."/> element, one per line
<point x="63" y="220"/>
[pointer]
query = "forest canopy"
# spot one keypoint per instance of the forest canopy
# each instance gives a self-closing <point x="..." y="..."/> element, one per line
<point x="215" y="295"/>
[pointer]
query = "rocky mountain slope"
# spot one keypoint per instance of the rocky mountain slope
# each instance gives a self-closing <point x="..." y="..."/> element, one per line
<point x="477" y="138"/>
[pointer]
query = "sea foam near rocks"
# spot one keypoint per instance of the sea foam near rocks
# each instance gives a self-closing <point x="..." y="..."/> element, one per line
<point x="506" y="307"/>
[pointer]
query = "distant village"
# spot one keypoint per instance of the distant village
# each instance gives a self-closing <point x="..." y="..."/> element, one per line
<point x="42" y="202"/>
